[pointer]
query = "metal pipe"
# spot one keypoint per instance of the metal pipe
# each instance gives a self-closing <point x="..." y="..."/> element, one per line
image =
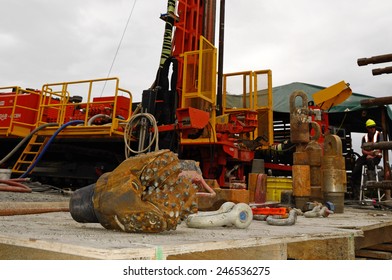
<point x="219" y="93"/>
<point x="387" y="167"/>
<point x="209" y="20"/>
<point x="26" y="208"/>
<point x="386" y="185"/>
<point x="380" y="71"/>
<point x="379" y="101"/>
<point x="382" y="145"/>
<point x="375" y="59"/>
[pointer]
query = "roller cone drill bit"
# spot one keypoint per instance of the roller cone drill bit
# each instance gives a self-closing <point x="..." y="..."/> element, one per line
<point x="144" y="193"/>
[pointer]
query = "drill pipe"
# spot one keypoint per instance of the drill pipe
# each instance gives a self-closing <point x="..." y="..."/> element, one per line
<point x="380" y="71"/>
<point x="380" y="101"/>
<point x="382" y="145"/>
<point x="375" y="59"/>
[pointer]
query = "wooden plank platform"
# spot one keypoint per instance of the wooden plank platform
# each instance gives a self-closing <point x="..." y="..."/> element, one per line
<point x="56" y="235"/>
<point x="381" y="251"/>
<point x="374" y="254"/>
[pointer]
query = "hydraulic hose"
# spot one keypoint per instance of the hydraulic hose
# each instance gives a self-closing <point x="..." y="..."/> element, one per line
<point x="47" y="146"/>
<point x="25" y="140"/>
<point x="14" y="185"/>
<point x="93" y="118"/>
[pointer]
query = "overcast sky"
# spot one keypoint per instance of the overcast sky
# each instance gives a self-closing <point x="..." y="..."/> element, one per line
<point x="310" y="41"/>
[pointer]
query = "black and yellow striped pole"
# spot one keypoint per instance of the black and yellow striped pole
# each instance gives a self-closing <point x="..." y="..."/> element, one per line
<point x="166" y="53"/>
<point x="167" y="38"/>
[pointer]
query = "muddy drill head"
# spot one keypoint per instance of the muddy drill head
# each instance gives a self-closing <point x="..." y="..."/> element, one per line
<point x="143" y="194"/>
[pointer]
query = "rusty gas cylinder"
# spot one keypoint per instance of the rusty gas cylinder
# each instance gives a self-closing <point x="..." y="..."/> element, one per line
<point x="299" y="119"/>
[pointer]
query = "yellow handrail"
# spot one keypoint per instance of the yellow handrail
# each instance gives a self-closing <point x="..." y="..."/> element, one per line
<point x="58" y="104"/>
<point x="245" y="91"/>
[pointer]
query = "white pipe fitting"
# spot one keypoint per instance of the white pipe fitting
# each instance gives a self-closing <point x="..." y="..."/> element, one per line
<point x="229" y="214"/>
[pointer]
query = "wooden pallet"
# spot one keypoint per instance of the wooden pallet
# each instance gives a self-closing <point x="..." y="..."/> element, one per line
<point x="381" y="251"/>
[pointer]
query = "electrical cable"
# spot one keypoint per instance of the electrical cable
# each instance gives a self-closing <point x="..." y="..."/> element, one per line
<point x="47" y="146"/>
<point x="341" y="123"/>
<point x="119" y="44"/>
<point x="129" y="129"/>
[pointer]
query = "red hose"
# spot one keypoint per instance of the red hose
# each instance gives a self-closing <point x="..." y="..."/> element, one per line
<point x="14" y="185"/>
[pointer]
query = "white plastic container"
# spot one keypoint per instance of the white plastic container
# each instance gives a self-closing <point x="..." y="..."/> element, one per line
<point x="5" y="174"/>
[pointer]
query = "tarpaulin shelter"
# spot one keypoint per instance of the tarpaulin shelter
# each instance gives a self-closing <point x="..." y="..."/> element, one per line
<point x="349" y="114"/>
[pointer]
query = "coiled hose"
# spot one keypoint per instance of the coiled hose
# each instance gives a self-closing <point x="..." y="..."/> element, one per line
<point x="129" y="129"/>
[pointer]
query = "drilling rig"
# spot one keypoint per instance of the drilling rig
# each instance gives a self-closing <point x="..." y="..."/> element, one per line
<point x="71" y="142"/>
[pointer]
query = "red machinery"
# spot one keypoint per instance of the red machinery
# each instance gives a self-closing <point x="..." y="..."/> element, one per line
<point x="18" y="110"/>
<point x="184" y="107"/>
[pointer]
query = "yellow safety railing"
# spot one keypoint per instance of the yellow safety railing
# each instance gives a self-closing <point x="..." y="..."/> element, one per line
<point x="240" y="87"/>
<point x="199" y="85"/>
<point x="252" y="91"/>
<point x="18" y="110"/>
<point x="64" y="102"/>
<point x="199" y="82"/>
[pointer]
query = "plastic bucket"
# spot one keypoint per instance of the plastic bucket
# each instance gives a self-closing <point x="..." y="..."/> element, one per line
<point x="5" y="174"/>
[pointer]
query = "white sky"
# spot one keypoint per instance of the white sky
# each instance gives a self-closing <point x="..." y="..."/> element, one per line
<point x="310" y="41"/>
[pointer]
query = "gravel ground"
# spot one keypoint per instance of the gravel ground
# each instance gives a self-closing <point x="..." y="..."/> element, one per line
<point x="32" y="197"/>
<point x="40" y="193"/>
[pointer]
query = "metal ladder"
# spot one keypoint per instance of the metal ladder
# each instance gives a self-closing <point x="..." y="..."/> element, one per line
<point x="364" y="180"/>
<point x="30" y="153"/>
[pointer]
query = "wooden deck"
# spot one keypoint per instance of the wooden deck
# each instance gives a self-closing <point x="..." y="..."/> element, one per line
<point x="356" y="233"/>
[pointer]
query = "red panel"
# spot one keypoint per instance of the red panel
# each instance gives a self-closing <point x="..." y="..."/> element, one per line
<point x="26" y="115"/>
<point x="122" y="109"/>
<point x="191" y="118"/>
<point x="188" y="31"/>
